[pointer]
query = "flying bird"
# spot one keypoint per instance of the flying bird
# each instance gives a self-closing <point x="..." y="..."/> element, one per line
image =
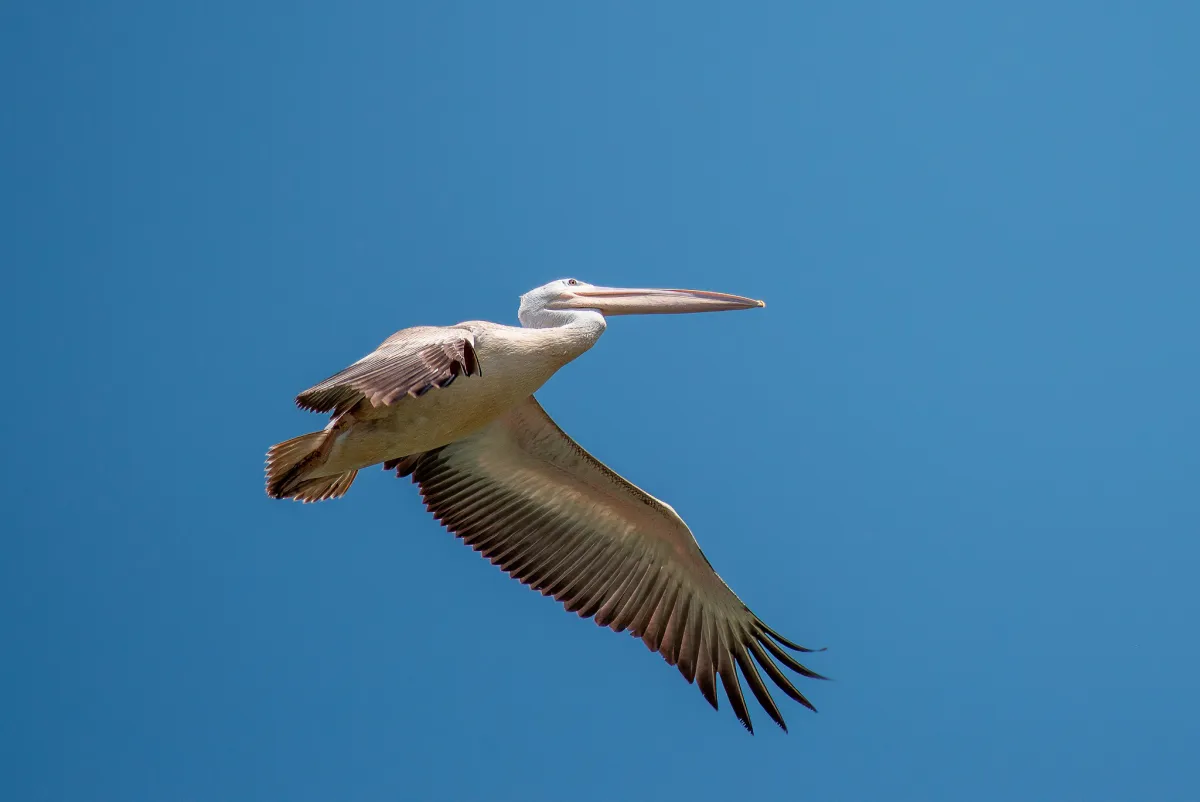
<point x="453" y="407"/>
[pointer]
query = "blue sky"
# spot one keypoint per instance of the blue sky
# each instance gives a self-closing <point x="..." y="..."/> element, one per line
<point x="958" y="448"/>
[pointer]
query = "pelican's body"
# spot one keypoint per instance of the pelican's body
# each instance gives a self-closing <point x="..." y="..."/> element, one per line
<point x="524" y="358"/>
<point x="453" y="407"/>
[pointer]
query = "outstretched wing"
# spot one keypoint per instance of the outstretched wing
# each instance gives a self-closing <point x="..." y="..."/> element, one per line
<point x="531" y="500"/>
<point x="410" y="362"/>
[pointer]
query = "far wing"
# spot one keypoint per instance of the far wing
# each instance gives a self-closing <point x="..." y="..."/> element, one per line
<point x="531" y="500"/>
<point x="410" y="362"/>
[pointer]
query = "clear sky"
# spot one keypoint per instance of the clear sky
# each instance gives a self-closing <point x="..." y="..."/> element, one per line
<point x="959" y="447"/>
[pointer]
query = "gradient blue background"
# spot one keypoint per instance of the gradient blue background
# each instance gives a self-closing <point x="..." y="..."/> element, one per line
<point x="959" y="447"/>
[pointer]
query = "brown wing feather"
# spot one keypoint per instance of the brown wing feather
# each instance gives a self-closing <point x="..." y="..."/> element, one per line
<point x="533" y="502"/>
<point x="409" y="363"/>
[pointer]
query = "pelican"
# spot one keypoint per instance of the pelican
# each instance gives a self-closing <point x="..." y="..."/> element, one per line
<point x="453" y="407"/>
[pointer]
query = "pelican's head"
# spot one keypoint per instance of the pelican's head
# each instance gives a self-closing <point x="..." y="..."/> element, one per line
<point x="572" y="294"/>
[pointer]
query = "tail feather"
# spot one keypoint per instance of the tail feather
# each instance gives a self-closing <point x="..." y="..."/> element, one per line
<point x="322" y="488"/>
<point x="288" y="461"/>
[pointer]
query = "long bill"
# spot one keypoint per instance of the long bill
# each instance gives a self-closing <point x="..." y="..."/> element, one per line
<point x="625" y="301"/>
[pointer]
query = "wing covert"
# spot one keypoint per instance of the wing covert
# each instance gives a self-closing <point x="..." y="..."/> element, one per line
<point x="411" y="362"/>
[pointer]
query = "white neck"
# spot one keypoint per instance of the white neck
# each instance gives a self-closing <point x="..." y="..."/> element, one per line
<point x="569" y="332"/>
<point x="540" y="318"/>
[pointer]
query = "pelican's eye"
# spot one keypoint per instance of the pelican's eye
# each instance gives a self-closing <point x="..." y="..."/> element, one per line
<point x="572" y="282"/>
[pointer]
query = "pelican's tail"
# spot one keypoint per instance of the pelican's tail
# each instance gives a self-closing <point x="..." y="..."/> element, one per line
<point x="287" y="463"/>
